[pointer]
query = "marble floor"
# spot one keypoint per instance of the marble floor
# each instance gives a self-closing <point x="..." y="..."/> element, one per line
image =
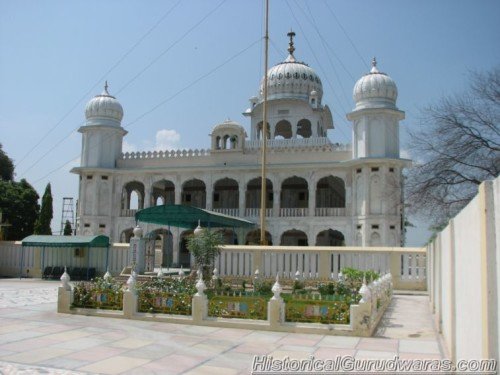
<point x="35" y="339"/>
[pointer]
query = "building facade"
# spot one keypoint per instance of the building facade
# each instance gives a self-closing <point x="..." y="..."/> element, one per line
<point x="317" y="192"/>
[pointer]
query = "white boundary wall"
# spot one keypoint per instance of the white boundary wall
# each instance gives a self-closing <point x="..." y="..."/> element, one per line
<point x="464" y="283"/>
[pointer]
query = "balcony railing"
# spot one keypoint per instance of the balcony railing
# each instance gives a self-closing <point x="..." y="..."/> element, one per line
<point x="255" y="212"/>
<point x="294" y="212"/>
<point x="228" y="211"/>
<point x="329" y="211"/>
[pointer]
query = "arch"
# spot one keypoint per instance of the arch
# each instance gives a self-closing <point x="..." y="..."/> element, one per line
<point x="126" y="235"/>
<point x="184" y="254"/>
<point x="217" y="143"/>
<point x="233" y="142"/>
<point x="225" y="142"/>
<point x="253" y="238"/>
<point x="294" y="237"/>
<point x="194" y="193"/>
<point x="254" y="188"/>
<point x="375" y="239"/>
<point x="163" y="245"/>
<point x="294" y="193"/>
<point x="226" y="193"/>
<point x="259" y="130"/>
<point x="229" y="236"/>
<point x="283" y="130"/>
<point x="163" y="190"/>
<point x="134" y="200"/>
<point x="330" y="192"/>
<point x="127" y="196"/>
<point x="304" y="129"/>
<point x="330" y="237"/>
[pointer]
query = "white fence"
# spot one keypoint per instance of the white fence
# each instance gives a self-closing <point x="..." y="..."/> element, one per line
<point x="407" y="265"/>
<point x="464" y="279"/>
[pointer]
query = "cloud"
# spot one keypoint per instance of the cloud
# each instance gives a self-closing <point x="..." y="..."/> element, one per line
<point x="167" y="139"/>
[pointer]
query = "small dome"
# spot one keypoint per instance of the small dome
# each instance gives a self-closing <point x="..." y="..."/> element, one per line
<point x="104" y="109"/>
<point x="375" y="90"/>
<point x="228" y="124"/>
<point x="291" y="79"/>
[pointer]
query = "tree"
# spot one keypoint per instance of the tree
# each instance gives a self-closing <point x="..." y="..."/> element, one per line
<point x="19" y="206"/>
<point x="6" y="166"/>
<point x="456" y="149"/>
<point x="42" y="225"/>
<point x="205" y="247"/>
<point x="67" y="231"/>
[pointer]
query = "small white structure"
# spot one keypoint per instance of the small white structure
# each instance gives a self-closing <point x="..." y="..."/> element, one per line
<point x="318" y="192"/>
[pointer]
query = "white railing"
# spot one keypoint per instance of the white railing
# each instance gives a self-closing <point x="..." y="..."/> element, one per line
<point x="294" y="212"/>
<point x="128" y="212"/>
<point x="255" y="212"/>
<point x="329" y="211"/>
<point x="298" y="143"/>
<point x="228" y="211"/>
<point x="407" y="265"/>
<point x="164" y="154"/>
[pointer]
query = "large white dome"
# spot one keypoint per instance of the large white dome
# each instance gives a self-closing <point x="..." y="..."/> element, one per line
<point x="291" y="79"/>
<point x="104" y="109"/>
<point x="375" y="89"/>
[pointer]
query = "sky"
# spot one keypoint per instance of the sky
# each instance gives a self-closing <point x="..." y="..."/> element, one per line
<point x="181" y="67"/>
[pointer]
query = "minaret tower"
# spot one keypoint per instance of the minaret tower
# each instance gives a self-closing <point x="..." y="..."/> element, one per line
<point x="102" y="137"/>
<point x="102" y="132"/>
<point x="377" y="167"/>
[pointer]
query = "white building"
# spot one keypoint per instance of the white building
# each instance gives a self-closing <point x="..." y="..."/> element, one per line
<point x="318" y="192"/>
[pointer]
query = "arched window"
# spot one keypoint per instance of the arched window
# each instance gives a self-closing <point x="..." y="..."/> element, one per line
<point x="294" y="237"/>
<point x="304" y="129"/>
<point x="330" y="237"/>
<point x="283" y="130"/>
<point x="330" y="192"/>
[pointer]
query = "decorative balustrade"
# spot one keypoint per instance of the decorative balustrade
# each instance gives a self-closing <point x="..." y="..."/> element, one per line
<point x="329" y="211"/>
<point x="407" y="265"/>
<point x="228" y="211"/>
<point x="255" y="212"/>
<point x="165" y="154"/>
<point x="298" y="143"/>
<point x="293" y="212"/>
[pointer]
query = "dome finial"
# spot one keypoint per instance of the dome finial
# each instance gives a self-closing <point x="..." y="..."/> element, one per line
<point x="106" y="87"/>
<point x="291" y="48"/>
<point x="374" y="65"/>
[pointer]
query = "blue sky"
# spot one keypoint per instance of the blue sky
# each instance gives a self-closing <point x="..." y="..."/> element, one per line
<point x="180" y="67"/>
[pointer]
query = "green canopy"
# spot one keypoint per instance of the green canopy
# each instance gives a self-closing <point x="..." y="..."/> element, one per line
<point x="178" y="215"/>
<point x="66" y="241"/>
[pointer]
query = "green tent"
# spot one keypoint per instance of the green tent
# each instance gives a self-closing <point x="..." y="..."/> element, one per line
<point x="178" y="215"/>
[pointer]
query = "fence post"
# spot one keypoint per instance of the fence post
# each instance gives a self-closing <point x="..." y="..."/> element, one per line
<point x="360" y="314"/>
<point x="199" y="305"/>
<point x="395" y="268"/>
<point x="275" y="307"/>
<point x="324" y="264"/>
<point x="64" y="294"/>
<point x="130" y="297"/>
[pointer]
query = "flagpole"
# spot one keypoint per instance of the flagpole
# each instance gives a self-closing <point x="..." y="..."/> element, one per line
<point x="263" y="192"/>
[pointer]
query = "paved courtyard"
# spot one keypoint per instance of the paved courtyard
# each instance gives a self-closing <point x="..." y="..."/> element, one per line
<point x="34" y="339"/>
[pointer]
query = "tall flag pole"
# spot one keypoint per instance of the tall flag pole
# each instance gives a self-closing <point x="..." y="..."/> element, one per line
<point x="263" y="197"/>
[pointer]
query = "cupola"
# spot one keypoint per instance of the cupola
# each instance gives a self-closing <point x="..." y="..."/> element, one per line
<point x="104" y="109"/>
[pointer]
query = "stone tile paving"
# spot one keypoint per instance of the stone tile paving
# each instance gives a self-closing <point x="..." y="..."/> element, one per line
<point x="34" y="339"/>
